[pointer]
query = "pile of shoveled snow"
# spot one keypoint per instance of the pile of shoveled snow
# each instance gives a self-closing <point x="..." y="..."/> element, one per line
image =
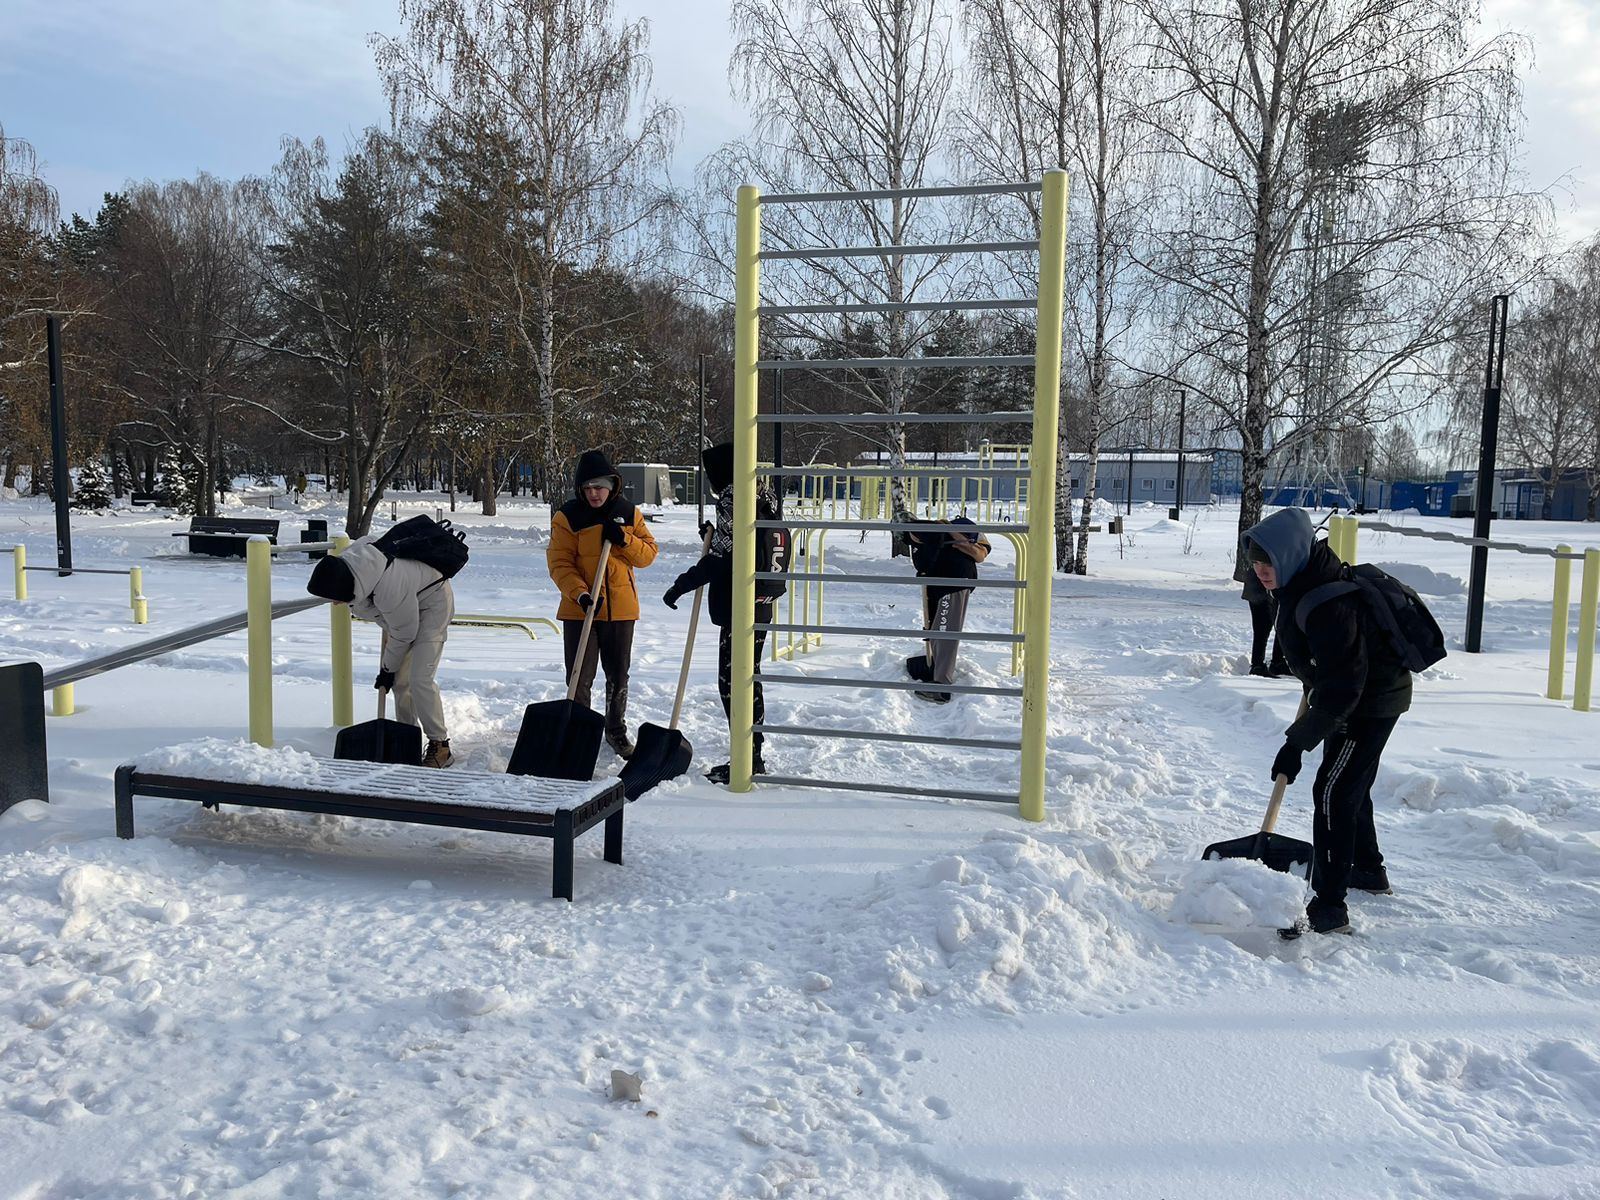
<point x="1238" y="894"/>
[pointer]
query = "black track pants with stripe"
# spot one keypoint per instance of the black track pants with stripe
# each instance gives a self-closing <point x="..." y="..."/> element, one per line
<point x="1344" y="834"/>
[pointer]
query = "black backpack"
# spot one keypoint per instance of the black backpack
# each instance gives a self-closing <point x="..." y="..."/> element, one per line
<point x="1409" y="633"/>
<point x="427" y="541"/>
<point x="774" y="550"/>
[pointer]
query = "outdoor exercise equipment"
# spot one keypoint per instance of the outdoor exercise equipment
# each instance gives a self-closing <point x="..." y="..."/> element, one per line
<point x="1040" y="473"/>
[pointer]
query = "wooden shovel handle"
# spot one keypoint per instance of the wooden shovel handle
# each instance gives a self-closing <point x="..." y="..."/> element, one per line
<point x="688" y="645"/>
<point x="595" y="589"/>
<point x="1280" y="785"/>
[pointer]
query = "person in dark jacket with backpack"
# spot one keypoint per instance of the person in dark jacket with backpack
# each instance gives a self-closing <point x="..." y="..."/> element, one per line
<point x="1356" y="690"/>
<point x="714" y="571"/>
<point x="598" y="513"/>
<point x="943" y="555"/>
<point x="412" y="603"/>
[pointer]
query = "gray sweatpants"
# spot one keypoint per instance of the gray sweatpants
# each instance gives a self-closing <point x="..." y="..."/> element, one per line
<point x="948" y="614"/>
<point x="416" y="684"/>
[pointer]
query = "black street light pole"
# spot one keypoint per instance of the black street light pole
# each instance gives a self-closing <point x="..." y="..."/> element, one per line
<point x="61" y="470"/>
<point x="1493" y="377"/>
<point x="1183" y="400"/>
<point x="700" y="452"/>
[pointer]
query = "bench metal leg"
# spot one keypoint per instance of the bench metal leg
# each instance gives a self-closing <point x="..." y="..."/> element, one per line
<point x="561" y="874"/>
<point x="614" y="837"/>
<point x="123" y="785"/>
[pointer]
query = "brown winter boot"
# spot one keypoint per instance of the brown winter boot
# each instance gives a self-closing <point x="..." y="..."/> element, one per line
<point x="438" y="754"/>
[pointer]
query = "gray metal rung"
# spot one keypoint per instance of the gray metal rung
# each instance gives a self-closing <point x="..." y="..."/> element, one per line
<point x="874" y="735"/>
<point x="955" y="469"/>
<point x="889" y="364"/>
<point x="930" y="635"/>
<point x="896" y="580"/>
<point x="786" y="310"/>
<point x="889" y="685"/>
<point x="812" y="252"/>
<point x="886" y="789"/>
<point x="898" y="526"/>
<point x="805" y="418"/>
<point x="970" y="189"/>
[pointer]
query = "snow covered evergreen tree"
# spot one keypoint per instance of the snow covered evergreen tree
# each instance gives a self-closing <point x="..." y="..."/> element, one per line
<point x="176" y="490"/>
<point x="94" y="489"/>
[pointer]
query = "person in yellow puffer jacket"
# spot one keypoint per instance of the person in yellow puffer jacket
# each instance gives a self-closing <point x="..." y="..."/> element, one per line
<point x="597" y="513"/>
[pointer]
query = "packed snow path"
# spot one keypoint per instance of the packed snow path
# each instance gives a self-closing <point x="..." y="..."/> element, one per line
<point x="826" y="995"/>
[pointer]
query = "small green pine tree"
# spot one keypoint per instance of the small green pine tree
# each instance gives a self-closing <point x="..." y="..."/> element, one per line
<point x="94" y="490"/>
<point x="175" y="490"/>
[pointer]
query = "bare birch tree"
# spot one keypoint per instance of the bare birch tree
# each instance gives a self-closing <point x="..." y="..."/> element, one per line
<point x="1349" y="192"/>
<point x="1066" y="83"/>
<point x="569" y="88"/>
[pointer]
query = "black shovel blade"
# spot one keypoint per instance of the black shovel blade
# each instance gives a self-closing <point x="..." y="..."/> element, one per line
<point x="559" y="739"/>
<point x="380" y="741"/>
<point x="658" y="755"/>
<point x="1286" y="854"/>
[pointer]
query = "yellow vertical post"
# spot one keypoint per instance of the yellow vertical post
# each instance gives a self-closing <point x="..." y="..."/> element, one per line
<point x="136" y="600"/>
<point x="746" y="389"/>
<point x="19" y="563"/>
<point x="1352" y="537"/>
<point x="258" y="635"/>
<point x="344" y="709"/>
<point x="1583" y="673"/>
<point x="62" y="703"/>
<point x="1560" y="612"/>
<point x="1042" y="482"/>
<point x="1336" y="537"/>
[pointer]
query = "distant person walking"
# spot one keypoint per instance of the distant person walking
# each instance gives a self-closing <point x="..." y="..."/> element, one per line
<point x="597" y="513"/>
<point x="1356" y="690"/>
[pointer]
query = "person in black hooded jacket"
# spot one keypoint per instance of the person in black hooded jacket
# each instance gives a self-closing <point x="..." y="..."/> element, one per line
<point x="1356" y="690"/>
<point x="714" y="572"/>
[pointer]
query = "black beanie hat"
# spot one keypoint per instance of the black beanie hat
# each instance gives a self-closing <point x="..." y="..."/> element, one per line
<point x="718" y="460"/>
<point x="593" y="464"/>
<point x="332" y="580"/>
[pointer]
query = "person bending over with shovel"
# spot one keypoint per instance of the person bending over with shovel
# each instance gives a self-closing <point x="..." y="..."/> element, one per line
<point x="412" y="603"/>
<point x="944" y="607"/>
<point x="597" y="513"/>
<point x="714" y="571"/>
<point x="1356" y="690"/>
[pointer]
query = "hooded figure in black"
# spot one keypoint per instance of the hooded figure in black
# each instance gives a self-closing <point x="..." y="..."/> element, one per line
<point x="714" y="572"/>
<point x="1356" y="690"/>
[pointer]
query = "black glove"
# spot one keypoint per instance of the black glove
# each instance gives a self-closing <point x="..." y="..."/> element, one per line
<point x="614" y="532"/>
<point x="1287" y="763"/>
<point x="672" y="596"/>
<point x="384" y="682"/>
<point x="586" y="602"/>
<point x="706" y="530"/>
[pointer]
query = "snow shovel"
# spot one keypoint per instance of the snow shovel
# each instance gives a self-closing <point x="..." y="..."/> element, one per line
<point x="560" y="739"/>
<point x="662" y="754"/>
<point x="380" y="741"/>
<point x="1286" y="854"/>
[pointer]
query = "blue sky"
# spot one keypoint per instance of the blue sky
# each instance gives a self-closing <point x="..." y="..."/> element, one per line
<point x="113" y="91"/>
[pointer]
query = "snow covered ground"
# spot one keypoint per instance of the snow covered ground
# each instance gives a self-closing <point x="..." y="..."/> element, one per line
<point x="825" y="994"/>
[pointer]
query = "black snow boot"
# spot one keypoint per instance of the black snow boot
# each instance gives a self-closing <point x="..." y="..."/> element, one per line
<point x="1371" y="879"/>
<point x="1322" y="916"/>
<point x="722" y="772"/>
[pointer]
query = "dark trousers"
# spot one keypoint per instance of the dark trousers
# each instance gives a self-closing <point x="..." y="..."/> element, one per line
<point x="1262" y="617"/>
<point x="610" y="645"/>
<point x="947" y="614"/>
<point x="725" y="675"/>
<point x="1344" y="835"/>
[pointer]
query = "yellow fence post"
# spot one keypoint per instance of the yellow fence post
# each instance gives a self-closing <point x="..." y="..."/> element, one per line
<point x="1560" y="614"/>
<point x="19" y="563"/>
<point x="1042" y="482"/>
<point x="62" y="703"/>
<point x="1336" y="537"/>
<point x="343" y="674"/>
<point x="746" y="384"/>
<point x="136" y="600"/>
<point x="1352" y="536"/>
<point x="1583" y="673"/>
<point x="258" y="655"/>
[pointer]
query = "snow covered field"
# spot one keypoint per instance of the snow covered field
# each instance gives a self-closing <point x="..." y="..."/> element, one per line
<point x="825" y="994"/>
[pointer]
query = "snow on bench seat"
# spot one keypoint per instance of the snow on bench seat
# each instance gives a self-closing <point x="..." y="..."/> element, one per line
<point x="215" y="772"/>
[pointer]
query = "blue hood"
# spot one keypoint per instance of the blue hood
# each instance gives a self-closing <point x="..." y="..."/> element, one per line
<point x="1287" y="537"/>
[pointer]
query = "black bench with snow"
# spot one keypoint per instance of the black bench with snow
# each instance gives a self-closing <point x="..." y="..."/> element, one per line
<point x="225" y="537"/>
<point x="216" y="772"/>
